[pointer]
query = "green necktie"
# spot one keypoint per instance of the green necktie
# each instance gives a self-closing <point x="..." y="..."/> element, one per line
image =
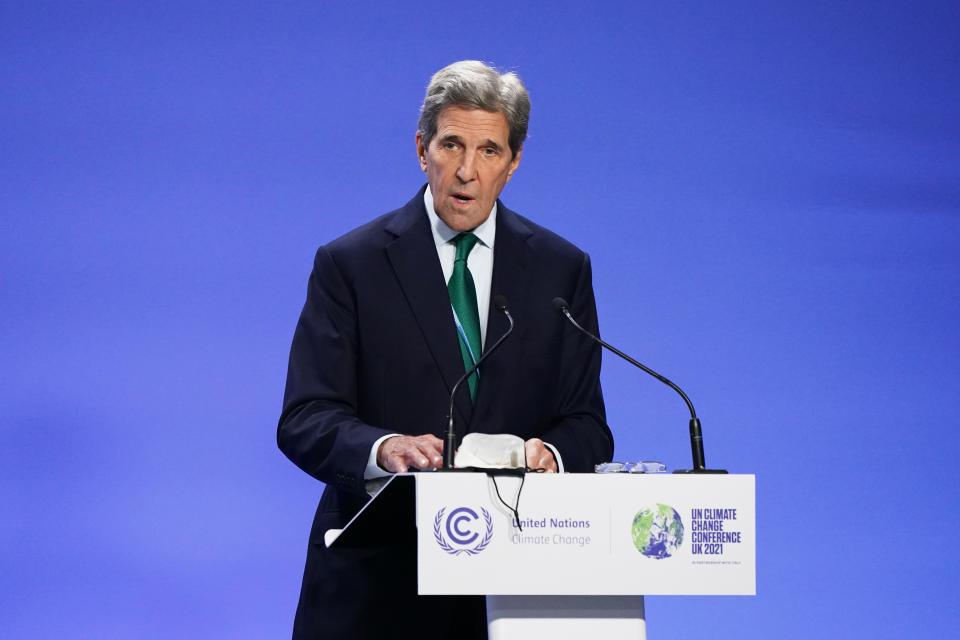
<point x="463" y="298"/>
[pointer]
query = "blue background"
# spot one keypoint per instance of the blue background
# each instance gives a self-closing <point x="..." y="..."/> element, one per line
<point x="770" y="195"/>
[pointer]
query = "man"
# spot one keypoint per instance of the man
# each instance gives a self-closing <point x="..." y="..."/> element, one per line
<point x="396" y="311"/>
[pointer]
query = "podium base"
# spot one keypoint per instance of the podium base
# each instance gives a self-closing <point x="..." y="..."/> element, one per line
<point x="565" y="617"/>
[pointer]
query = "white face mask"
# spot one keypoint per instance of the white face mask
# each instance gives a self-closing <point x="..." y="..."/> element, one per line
<point x="491" y="451"/>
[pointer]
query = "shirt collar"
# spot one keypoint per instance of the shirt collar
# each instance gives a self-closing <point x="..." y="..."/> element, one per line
<point x="486" y="231"/>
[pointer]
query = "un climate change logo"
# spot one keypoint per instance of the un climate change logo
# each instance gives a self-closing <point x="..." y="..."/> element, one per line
<point x="463" y="528"/>
<point x="657" y="532"/>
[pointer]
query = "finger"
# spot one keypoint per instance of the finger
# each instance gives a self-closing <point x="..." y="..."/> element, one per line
<point x="533" y="449"/>
<point x="394" y="463"/>
<point x="436" y="459"/>
<point x="431" y="447"/>
<point x="540" y="457"/>
<point x="416" y="458"/>
<point x="549" y="463"/>
<point x="387" y="456"/>
<point x="423" y="454"/>
<point x="542" y="462"/>
<point x="402" y="452"/>
<point x="433" y="451"/>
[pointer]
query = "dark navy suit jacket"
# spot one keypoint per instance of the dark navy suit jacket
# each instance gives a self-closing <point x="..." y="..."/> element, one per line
<point x="376" y="352"/>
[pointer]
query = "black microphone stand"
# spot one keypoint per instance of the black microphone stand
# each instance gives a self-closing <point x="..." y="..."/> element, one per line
<point x="451" y="438"/>
<point x="696" y="436"/>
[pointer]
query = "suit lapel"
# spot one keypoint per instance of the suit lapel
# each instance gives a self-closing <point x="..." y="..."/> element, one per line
<point x="413" y="256"/>
<point x="510" y="279"/>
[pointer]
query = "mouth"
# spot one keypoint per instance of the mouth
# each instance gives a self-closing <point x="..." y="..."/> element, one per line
<point x="462" y="198"/>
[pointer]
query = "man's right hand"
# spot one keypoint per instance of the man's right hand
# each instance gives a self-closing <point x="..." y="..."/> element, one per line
<point x="398" y="453"/>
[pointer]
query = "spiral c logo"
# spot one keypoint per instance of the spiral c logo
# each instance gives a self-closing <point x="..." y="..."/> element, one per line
<point x="463" y="527"/>
<point x="455" y="520"/>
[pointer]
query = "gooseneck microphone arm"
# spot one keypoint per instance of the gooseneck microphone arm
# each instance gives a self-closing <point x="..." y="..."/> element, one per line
<point x="451" y="440"/>
<point x="696" y="436"/>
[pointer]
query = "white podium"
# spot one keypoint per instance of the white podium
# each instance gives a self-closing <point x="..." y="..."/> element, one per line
<point x="588" y="548"/>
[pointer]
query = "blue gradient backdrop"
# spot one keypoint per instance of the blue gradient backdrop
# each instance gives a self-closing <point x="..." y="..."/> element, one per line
<point x="769" y="192"/>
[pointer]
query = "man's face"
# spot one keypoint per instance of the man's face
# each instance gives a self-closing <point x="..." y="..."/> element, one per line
<point x="467" y="163"/>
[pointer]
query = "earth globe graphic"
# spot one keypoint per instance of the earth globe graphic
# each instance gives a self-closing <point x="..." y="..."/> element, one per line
<point x="657" y="532"/>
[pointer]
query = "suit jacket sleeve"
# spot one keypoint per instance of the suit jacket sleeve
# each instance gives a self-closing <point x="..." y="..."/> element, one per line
<point x="319" y="429"/>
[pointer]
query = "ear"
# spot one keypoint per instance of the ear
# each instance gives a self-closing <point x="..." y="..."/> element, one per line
<point x="421" y="153"/>
<point x="514" y="164"/>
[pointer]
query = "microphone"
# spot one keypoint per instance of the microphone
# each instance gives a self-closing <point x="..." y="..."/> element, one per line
<point x="696" y="437"/>
<point x="500" y="303"/>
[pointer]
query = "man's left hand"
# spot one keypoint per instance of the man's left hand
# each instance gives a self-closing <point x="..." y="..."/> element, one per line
<point x="539" y="456"/>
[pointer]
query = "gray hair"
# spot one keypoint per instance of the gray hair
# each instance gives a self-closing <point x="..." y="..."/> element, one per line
<point x="474" y="85"/>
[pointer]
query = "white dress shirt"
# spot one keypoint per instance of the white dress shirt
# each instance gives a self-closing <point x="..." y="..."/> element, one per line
<point x="480" y="260"/>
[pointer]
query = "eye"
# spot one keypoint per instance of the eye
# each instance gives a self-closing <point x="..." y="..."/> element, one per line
<point x="449" y="145"/>
<point x="489" y="151"/>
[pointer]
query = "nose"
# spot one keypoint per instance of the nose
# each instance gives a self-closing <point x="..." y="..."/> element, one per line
<point x="467" y="171"/>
